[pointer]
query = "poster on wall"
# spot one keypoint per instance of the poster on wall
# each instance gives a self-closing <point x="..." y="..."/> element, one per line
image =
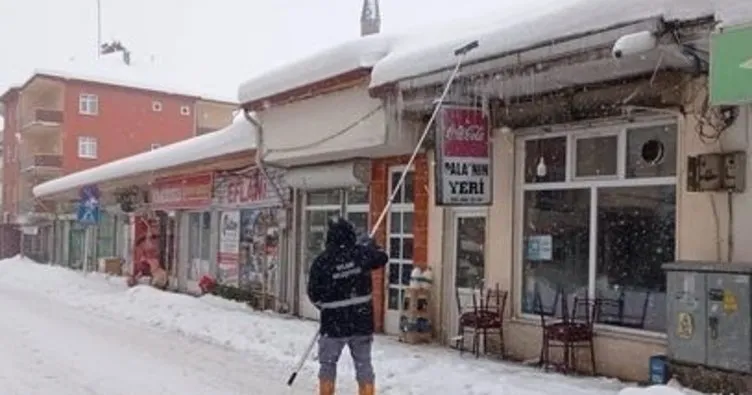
<point x="146" y="239"/>
<point x="463" y="157"/>
<point x="229" y="247"/>
<point x="540" y="248"/>
<point x="259" y="248"/>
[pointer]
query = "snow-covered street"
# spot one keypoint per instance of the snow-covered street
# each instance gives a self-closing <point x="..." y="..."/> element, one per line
<point x="68" y="333"/>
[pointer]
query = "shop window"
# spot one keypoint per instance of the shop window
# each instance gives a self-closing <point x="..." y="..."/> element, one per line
<point x="259" y="248"/>
<point x="320" y="206"/>
<point x="106" y="239"/>
<point x="596" y="156"/>
<point x="199" y="236"/>
<point x="627" y="219"/>
<point x="651" y="151"/>
<point x="556" y="245"/>
<point x="635" y="237"/>
<point x="326" y="197"/>
<point x="546" y="160"/>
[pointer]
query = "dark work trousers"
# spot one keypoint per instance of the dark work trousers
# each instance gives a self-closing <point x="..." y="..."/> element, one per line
<point x="330" y="349"/>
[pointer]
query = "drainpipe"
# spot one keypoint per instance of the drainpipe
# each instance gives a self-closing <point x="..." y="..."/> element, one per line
<point x="260" y="156"/>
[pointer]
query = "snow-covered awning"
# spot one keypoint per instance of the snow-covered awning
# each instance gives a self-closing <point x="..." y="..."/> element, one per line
<point x="237" y="137"/>
<point x="509" y="33"/>
<point x="340" y="59"/>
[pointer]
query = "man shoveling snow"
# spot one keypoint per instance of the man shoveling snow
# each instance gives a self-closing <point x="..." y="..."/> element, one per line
<point x="340" y="286"/>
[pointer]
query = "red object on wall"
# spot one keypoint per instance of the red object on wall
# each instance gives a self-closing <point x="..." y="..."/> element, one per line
<point x="146" y="239"/>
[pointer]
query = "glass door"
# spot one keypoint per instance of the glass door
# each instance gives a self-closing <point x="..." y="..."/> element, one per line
<point x="400" y="249"/>
<point x="468" y="262"/>
<point x="76" y="246"/>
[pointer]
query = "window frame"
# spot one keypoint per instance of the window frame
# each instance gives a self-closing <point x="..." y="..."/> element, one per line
<point x="400" y="207"/>
<point x="343" y="207"/>
<point x="185" y="110"/>
<point x="156" y="106"/>
<point x="88" y="104"/>
<point x="619" y="128"/>
<point x="84" y="142"/>
<point x="621" y="147"/>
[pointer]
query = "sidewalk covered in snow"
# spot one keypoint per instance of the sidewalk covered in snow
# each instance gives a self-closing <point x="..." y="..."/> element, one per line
<point x="274" y="342"/>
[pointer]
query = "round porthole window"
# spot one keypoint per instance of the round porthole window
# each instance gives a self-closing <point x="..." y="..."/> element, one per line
<point x="652" y="152"/>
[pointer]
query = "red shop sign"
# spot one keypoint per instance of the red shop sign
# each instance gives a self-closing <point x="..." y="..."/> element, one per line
<point x="182" y="192"/>
<point x="244" y="190"/>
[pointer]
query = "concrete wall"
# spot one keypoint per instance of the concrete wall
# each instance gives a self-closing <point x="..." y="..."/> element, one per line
<point x="702" y="233"/>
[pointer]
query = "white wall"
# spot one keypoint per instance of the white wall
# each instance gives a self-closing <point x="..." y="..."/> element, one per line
<point x="702" y="234"/>
<point x="306" y="132"/>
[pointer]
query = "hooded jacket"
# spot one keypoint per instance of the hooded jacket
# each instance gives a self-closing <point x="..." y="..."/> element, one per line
<point x="339" y="282"/>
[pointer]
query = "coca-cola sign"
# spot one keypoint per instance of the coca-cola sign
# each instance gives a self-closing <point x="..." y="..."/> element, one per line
<point x="463" y="151"/>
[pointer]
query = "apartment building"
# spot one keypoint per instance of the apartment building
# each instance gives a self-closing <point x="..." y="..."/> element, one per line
<point x="58" y="123"/>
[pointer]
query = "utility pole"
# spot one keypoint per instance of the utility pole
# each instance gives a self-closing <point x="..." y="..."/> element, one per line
<point x="99" y="28"/>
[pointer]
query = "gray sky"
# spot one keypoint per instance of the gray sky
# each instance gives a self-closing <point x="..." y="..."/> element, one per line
<point x="214" y="44"/>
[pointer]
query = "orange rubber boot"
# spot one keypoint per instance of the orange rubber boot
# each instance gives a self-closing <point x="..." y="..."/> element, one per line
<point x="366" y="389"/>
<point x="326" y="387"/>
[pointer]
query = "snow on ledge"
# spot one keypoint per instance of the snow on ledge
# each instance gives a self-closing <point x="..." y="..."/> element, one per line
<point x="509" y="32"/>
<point x="129" y="79"/>
<point x="237" y="137"/>
<point x="352" y="55"/>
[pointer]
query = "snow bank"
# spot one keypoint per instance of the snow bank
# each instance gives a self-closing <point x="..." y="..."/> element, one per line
<point x="673" y="388"/>
<point x="510" y="32"/>
<point x="402" y="369"/>
<point x="352" y="55"/>
<point x="237" y="137"/>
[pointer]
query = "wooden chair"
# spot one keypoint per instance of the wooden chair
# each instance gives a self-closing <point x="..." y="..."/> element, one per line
<point x="468" y="322"/>
<point x="572" y="332"/>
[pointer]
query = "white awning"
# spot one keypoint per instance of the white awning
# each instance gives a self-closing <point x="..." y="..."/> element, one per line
<point x="338" y="175"/>
<point x="237" y="137"/>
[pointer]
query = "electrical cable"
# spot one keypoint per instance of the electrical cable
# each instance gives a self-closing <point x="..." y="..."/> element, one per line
<point x="329" y="137"/>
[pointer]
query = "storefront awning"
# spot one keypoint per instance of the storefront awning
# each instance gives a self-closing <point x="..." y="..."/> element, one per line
<point x="237" y="137"/>
<point x="338" y="175"/>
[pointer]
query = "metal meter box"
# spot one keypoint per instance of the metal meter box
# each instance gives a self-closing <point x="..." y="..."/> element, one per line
<point x="709" y="314"/>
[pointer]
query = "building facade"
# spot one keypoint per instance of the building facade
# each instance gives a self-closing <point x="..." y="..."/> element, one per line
<point x="61" y="125"/>
<point x="591" y="190"/>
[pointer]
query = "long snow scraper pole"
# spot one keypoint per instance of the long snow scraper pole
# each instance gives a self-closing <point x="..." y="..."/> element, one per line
<point x="460" y="53"/>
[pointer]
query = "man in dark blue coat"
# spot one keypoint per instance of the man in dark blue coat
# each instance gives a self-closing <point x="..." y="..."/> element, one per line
<point x="339" y="285"/>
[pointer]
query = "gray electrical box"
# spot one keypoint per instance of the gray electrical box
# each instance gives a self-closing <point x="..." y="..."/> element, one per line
<point x="709" y="314"/>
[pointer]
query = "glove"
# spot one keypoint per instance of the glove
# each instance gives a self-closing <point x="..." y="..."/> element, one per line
<point x="367" y="241"/>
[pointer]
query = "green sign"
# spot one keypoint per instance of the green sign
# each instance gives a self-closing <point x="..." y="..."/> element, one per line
<point x="731" y="66"/>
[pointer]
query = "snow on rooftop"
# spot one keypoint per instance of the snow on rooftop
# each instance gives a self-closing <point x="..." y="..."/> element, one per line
<point x="362" y="52"/>
<point x="508" y="32"/>
<point x="110" y="69"/>
<point x="237" y="137"/>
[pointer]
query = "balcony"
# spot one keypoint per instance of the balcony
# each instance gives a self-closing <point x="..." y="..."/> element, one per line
<point x="42" y="120"/>
<point x="42" y="166"/>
